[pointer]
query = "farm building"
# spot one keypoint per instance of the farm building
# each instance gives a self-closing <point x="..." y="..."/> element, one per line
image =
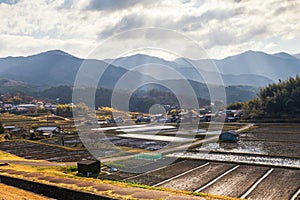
<point x="48" y="130"/>
<point x="229" y="136"/>
<point x="89" y="167"/>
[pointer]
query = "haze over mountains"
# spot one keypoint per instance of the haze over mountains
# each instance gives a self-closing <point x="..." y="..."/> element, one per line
<point x="249" y="68"/>
<point x="56" y="67"/>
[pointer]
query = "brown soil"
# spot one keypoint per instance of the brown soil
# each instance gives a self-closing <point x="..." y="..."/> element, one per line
<point x="149" y="195"/>
<point x="276" y="132"/>
<point x="36" y="151"/>
<point x="280" y="184"/>
<point x="266" y="139"/>
<point x="104" y="187"/>
<point x="125" y="191"/>
<point x="166" y="173"/>
<point x="195" y="179"/>
<point x="34" y="174"/>
<point x="278" y="139"/>
<point x="119" y="175"/>
<point x="238" y="182"/>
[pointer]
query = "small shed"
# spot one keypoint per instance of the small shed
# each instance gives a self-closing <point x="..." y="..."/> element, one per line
<point x="88" y="167"/>
<point x="229" y="136"/>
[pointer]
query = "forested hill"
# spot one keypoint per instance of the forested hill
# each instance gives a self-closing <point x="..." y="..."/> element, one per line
<point x="277" y="100"/>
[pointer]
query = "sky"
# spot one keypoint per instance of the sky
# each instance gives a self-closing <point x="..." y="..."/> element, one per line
<point x="221" y="27"/>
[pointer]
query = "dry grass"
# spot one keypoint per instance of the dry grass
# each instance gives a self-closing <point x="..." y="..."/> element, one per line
<point x="11" y="157"/>
<point x="7" y="156"/>
<point x="11" y="193"/>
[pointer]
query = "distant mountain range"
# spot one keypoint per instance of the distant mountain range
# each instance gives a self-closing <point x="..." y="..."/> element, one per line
<point x="274" y="67"/>
<point x="189" y="69"/>
<point x="53" y="68"/>
<point x="56" y="67"/>
<point x="248" y="68"/>
<point x="251" y="69"/>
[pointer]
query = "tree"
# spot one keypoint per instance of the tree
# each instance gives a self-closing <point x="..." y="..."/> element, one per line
<point x="1" y="128"/>
<point x="235" y="106"/>
<point x="275" y="99"/>
<point x="253" y="109"/>
<point x="64" y="110"/>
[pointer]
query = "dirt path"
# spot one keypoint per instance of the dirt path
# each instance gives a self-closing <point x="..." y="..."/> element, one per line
<point x="280" y="184"/>
<point x="236" y="183"/>
<point x="195" y="179"/>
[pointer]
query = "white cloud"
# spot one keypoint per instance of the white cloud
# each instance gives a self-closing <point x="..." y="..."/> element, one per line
<point x="222" y="27"/>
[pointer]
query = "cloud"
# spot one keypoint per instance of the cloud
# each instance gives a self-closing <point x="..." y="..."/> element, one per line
<point x="128" y="22"/>
<point x="66" y="4"/>
<point x="220" y="14"/>
<point x="9" y="1"/>
<point x="27" y="45"/>
<point x="112" y="5"/>
<point x="222" y="27"/>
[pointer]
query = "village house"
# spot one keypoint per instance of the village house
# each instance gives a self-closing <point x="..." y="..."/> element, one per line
<point x="48" y="131"/>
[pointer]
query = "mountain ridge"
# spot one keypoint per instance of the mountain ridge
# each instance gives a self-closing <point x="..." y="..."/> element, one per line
<point x="253" y="68"/>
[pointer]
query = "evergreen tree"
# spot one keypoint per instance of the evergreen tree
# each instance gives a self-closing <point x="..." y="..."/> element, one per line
<point x="275" y="99"/>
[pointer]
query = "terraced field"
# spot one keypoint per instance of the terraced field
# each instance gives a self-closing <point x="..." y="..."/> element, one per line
<point x="36" y="151"/>
<point x="225" y="179"/>
<point x="263" y="165"/>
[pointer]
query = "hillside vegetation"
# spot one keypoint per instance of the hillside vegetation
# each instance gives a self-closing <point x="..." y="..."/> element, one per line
<point x="277" y="100"/>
